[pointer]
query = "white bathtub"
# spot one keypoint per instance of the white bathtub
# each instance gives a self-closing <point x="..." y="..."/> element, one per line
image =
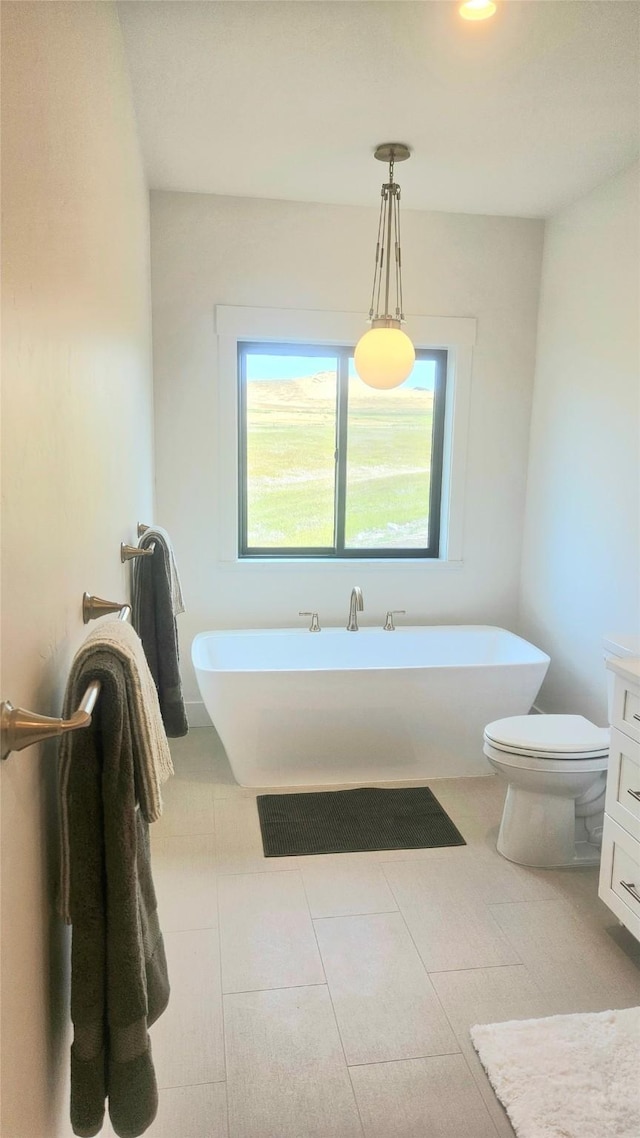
<point x="296" y="708"/>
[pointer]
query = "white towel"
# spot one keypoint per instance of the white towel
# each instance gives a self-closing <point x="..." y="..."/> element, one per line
<point x="157" y="533"/>
<point x="152" y="758"/>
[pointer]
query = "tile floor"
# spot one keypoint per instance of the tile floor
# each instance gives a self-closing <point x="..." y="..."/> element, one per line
<point x="331" y="997"/>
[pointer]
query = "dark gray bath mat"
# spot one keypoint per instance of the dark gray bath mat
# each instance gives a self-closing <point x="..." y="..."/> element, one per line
<point x="349" y="821"/>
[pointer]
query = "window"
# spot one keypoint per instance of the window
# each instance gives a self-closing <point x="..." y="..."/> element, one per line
<point x="328" y="466"/>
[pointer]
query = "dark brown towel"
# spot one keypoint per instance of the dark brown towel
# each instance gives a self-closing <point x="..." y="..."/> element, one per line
<point x="155" y="623"/>
<point x="119" y="981"/>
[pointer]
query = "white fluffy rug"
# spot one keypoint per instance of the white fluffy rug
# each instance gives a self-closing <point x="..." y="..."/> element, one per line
<point x="570" y="1076"/>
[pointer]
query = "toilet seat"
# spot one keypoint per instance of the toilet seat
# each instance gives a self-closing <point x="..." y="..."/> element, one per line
<point x="557" y="756"/>
<point x="549" y="763"/>
<point x="547" y="738"/>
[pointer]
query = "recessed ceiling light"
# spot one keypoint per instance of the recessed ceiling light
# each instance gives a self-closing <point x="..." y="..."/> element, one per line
<point x="477" y="9"/>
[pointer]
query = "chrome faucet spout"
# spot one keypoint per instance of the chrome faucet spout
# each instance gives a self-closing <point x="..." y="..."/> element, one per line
<point x="356" y="605"/>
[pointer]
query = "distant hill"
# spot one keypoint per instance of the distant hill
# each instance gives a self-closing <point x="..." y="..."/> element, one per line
<point x="322" y="387"/>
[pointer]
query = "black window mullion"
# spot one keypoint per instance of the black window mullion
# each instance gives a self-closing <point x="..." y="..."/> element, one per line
<point x="437" y="452"/>
<point x="243" y="534"/>
<point x="341" y="464"/>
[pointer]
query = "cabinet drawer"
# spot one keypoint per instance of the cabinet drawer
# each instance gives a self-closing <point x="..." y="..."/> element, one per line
<point x="623" y="782"/>
<point x="626" y="707"/>
<point x="625" y="876"/>
<point x="619" y="885"/>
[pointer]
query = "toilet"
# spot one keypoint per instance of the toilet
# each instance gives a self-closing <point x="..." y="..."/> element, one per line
<point x="555" y="767"/>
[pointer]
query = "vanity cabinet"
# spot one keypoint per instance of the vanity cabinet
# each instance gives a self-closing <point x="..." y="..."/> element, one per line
<point x="619" y="885"/>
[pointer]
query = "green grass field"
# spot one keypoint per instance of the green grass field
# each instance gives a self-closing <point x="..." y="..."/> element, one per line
<point x="291" y="466"/>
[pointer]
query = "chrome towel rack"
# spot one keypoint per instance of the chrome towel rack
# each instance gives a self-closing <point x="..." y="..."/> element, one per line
<point x="20" y="728"/>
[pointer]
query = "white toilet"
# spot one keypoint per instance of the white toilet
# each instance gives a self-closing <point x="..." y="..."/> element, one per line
<point x="556" y="767"/>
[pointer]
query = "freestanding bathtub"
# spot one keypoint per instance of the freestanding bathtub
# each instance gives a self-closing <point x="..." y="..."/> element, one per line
<point x="296" y="708"/>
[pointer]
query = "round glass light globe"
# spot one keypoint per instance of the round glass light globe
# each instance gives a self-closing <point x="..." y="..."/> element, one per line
<point x="384" y="357"/>
<point x="477" y="9"/>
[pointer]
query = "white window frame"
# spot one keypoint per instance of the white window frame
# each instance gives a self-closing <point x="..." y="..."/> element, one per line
<point x="457" y="334"/>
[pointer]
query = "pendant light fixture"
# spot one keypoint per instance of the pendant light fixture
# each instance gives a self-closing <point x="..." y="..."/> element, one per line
<point x="384" y="356"/>
<point x="477" y="9"/>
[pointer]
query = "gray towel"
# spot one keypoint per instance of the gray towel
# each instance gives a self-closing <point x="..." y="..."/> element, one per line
<point x="151" y="756"/>
<point x="119" y="981"/>
<point x="155" y="622"/>
<point x="149" y="537"/>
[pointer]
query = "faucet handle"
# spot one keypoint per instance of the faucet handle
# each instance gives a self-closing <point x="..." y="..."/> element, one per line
<point x="389" y="626"/>
<point x="314" y="626"/>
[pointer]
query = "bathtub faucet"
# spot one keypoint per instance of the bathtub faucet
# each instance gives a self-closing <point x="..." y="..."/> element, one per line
<point x="356" y="605"/>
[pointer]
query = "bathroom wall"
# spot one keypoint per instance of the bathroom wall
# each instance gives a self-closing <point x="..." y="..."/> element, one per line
<point x="581" y="567"/>
<point x="208" y="250"/>
<point x="77" y="462"/>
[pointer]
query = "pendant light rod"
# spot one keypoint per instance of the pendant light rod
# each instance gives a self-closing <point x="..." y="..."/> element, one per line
<point x="390" y="194"/>
<point x="390" y="152"/>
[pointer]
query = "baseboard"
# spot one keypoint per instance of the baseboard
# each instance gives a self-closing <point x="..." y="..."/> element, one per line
<point x="197" y="715"/>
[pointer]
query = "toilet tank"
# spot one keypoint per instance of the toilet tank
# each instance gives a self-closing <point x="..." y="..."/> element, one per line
<point x="626" y="645"/>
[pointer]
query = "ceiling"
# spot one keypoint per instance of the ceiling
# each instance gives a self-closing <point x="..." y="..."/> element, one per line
<point x="518" y="115"/>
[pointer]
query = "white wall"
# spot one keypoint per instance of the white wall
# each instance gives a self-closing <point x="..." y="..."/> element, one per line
<point x="77" y="462"/>
<point x="581" y="568"/>
<point x="208" y="250"/>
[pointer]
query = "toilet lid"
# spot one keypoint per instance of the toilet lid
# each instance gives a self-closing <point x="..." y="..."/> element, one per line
<point x="548" y="734"/>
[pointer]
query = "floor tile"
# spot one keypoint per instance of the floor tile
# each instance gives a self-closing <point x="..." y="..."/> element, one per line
<point x="578" y="885"/>
<point x="187" y="1112"/>
<point x="286" y="1072"/>
<point x="471" y="796"/>
<point x="475" y="805"/>
<point x="224" y="788"/>
<point x="499" y="1116"/>
<point x="478" y="832"/>
<point x="184" y="877"/>
<point x="513" y="882"/>
<point x="266" y="934"/>
<point x="484" y="877"/>
<point x="419" y="1097"/>
<point x="488" y="995"/>
<point x="239" y="841"/>
<point x="576" y="964"/>
<point x="346" y="888"/>
<point x="385" y="1006"/>
<point x="187" y="1041"/>
<point x="192" y="1112"/>
<point x="377" y="857"/>
<point x="188" y="807"/>
<point x="446" y="915"/>
<point x="200" y="751"/>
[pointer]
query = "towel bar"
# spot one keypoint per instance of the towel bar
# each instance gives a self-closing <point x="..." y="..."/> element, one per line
<point x="142" y="528"/>
<point x="20" y="728"/>
<point x="128" y="552"/>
